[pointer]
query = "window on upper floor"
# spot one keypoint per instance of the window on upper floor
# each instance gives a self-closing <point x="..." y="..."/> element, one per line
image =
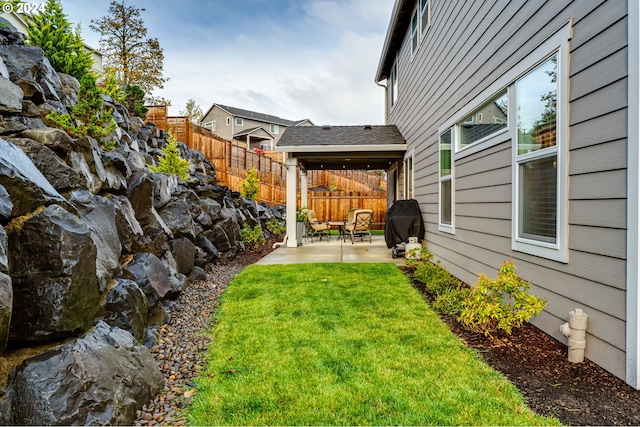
<point x="415" y="38"/>
<point x="275" y="129"/>
<point x="239" y="121"/>
<point x="228" y="121"/>
<point x="425" y="16"/>
<point x="210" y="125"/>
<point x="393" y="77"/>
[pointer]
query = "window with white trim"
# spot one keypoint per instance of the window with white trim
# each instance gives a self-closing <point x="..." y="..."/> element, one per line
<point x="275" y="128"/>
<point x="228" y="121"/>
<point x="425" y="16"/>
<point x="210" y="125"/>
<point x="408" y="177"/>
<point x="415" y="38"/>
<point x="393" y="76"/>
<point x="445" y="222"/>
<point x="539" y="168"/>
<point x="472" y="129"/>
<point x="239" y="121"/>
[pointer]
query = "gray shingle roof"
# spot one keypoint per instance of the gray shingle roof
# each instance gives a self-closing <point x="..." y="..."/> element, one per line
<point x="247" y="114"/>
<point x="340" y="135"/>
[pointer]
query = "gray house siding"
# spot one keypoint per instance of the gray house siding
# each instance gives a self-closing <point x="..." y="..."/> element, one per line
<point x="467" y="48"/>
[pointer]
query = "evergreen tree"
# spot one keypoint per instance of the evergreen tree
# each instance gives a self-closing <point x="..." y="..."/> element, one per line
<point x="62" y="45"/>
<point x="136" y="60"/>
<point x="172" y="163"/>
<point x="250" y="187"/>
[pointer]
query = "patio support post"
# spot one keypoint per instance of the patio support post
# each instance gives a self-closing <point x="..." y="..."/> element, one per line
<point x="292" y="178"/>
<point x="304" y="196"/>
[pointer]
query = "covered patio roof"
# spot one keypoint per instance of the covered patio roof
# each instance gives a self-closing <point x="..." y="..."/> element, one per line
<point x="343" y="147"/>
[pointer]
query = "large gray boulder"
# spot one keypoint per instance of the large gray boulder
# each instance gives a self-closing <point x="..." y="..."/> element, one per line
<point x="26" y="185"/>
<point x="10" y="96"/>
<point x="184" y="254"/>
<point x="177" y="217"/>
<point x="60" y="175"/>
<point x="164" y="186"/>
<point x="55" y="139"/>
<point x="99" y="215"/>
<point x="129" y="229"/>
<point x="99" y="379"/>
<point x="126" y="307"/>
<point x="140" y="194"/>
<point x="81" y="167"/>
<point x="153" y="277"/>
<point x="29" y="63"/>
<point x="6" y="306"/>
<point x="52" y="261"/>
<point x="6" y="206"/>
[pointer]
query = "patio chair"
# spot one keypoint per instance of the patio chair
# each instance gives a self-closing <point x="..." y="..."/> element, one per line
<point x="361" y="224"/>
<point x="316" y="227"/>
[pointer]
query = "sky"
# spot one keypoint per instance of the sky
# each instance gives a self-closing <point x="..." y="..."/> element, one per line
<point x="296" y="59"/>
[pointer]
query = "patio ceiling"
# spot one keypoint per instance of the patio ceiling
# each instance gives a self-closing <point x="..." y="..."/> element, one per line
<point x="343" y="147"/>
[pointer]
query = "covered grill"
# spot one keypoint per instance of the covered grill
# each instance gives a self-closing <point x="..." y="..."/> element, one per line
<point x="403" y="220"/>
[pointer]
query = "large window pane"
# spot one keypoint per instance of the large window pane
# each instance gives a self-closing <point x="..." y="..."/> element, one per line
<point x="537" y="94"/>
<point x="485" y="121"/>
<point x="425" y="5"/>
<point x="538" y="199"/>
<point x="445" y="202"/>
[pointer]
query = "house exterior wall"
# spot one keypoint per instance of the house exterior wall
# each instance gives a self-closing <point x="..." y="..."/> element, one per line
<point x="470" y="46"/>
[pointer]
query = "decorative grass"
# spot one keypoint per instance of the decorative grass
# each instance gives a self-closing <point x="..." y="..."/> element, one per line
<point x="343" y="344"/>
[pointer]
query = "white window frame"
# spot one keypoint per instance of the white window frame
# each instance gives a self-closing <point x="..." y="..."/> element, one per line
<point x="415" y="33"/>
<point x="394" y="83"/>
<point x="408" y="181"/>
<point x="228" y="121"/>
<point x="424" y="30"/>
<point x="210" y="125"/>
<point x="558" y="250"/>
<point x="239" y="121"/>
<point x="447" y="228"/>
<point x="275" y="129"/>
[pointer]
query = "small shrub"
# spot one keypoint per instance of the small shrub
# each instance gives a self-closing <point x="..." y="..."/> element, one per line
<point x="500" y="304"/>
<point x="250" y="187"/>
<point x="252" y="236"/>
<point x="450" y="302"/>
<point x="301" y="214"/>
<point x="275" y="227"/>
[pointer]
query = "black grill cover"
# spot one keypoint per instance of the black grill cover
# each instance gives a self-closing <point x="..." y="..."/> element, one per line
<point x="404" y="220"/>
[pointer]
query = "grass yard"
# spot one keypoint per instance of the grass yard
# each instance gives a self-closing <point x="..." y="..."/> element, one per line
<point x="343" y="344"/>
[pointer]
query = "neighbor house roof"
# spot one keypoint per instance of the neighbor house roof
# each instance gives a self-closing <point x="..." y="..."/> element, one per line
<point x="252" y="115"/>
<point x="400" y="19"/>
<point x="255" y="132"/>
<point x="343" y="147"/>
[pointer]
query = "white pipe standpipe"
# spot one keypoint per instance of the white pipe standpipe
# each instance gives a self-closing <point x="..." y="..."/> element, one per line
<point x="576" y="330"/>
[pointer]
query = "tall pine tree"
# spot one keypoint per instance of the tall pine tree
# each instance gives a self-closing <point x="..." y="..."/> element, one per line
<point x="62" y="45"/>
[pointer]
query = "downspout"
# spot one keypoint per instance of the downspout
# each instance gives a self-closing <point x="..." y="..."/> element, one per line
<point x="386" y="106"/>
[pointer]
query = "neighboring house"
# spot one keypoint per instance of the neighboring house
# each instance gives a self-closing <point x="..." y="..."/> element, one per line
<point x="256" y="129"/>
<point x="522" y="127"/>
<point x="20" y="25"/>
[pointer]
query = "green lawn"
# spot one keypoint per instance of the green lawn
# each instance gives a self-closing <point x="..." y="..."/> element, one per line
<point x="343" y="344"/>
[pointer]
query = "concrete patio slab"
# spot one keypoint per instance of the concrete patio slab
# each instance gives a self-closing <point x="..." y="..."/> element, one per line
<point x="334" y="250"/>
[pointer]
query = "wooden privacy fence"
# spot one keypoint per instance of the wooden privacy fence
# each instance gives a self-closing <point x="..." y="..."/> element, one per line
<point x="232" y="159"/>
<point x="334" y="205"/>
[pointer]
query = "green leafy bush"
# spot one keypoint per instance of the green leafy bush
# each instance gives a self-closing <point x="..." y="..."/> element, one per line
<point x="275" y="227"/>
<point x="450" y="302"/>
<point x="252" y="236"/>
<point x="172" y="163"/>
<point x="134" y="100"/>
<point x="500" y="304"/>
<point x="301" y="214"/>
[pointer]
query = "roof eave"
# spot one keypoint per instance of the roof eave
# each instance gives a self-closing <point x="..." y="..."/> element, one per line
<point x="340" y="148"/>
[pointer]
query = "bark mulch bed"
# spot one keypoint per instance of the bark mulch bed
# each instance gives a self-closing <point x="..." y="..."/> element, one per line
<point x="575" y="393"/>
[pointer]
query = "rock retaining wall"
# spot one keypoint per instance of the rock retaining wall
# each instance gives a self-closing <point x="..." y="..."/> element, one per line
<point x="91" y="243"/>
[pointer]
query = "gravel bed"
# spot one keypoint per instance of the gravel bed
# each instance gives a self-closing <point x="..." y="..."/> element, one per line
<point x="181" y="345"/>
